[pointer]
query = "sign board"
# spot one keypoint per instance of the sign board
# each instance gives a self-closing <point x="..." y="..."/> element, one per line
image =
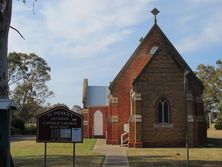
<point x="76" y="134"/>
<point x="60" y="125"/>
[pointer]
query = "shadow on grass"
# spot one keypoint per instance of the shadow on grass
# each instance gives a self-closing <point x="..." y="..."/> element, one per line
<point x="146" y="162"/>
<point x="59" y="161"/>
<point x="17" y="138"/>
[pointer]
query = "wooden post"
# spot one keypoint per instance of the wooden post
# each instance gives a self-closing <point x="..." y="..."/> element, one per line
<point x="74" y="155"/>
<point x="45" y="152"/>
<point x="5" y="137"/>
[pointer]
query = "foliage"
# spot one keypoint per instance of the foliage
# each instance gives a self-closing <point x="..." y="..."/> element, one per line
<point x="211" y="77"/>
<point x="19" y="127"/>
<point x="29" y="130"/>
<point x="28" y="74"/>
<point x="18" y="124"/>
<point x="77" y="109"/>
<point x="218" y="124"/>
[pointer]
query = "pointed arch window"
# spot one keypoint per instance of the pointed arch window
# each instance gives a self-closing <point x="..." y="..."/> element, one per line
<point x="163" y="111"/>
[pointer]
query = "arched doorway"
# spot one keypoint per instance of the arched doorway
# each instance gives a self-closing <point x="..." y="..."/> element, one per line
<point x="98" y="124"/>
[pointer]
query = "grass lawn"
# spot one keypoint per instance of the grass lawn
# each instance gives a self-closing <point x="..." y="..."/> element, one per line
<point x="28" y="153"/>
<point x="209" y="156"/>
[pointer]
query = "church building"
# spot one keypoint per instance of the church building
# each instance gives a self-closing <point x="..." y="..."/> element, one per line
<point x="151" y="101"/>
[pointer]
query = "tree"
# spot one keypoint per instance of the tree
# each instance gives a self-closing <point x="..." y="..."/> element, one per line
<point x="29" y="73"/>
<point x="5" y="20"/>
<point x="218" y="123"/>
<point x="77" y="109"/>
<point x="211" y="77"/>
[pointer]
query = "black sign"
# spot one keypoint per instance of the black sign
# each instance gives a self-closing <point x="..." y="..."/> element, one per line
<point x="59" y="125"/>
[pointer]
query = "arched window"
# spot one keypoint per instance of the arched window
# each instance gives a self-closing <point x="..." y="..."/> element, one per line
<point x="163" y="111"/>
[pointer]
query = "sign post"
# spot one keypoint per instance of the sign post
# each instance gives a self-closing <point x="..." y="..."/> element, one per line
<point x="74" y="155"/>
<point x="45" y="153"/>
<point x="59" y="125"/>
<point x="6" y="105"/>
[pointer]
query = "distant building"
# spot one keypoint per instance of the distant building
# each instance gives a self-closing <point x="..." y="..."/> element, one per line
<point x="95" y="100"/>
<point x="144" y="106"/>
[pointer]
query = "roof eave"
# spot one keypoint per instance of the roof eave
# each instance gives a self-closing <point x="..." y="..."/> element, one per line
<point x="131" y="58"/>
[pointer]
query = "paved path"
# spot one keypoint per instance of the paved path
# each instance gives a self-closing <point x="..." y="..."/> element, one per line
<point x="115" y="155"/>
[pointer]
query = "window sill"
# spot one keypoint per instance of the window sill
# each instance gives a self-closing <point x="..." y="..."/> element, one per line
<point x="163" y="125"/>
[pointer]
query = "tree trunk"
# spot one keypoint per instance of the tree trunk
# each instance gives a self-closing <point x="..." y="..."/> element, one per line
<point x="5" y="19"/>
<point x="3" y="68"/>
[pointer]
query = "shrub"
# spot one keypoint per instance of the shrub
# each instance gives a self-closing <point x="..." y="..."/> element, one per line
<point x="18" y="124"/>
<point x="218" y="124"/>
<point x="30" y="130"/>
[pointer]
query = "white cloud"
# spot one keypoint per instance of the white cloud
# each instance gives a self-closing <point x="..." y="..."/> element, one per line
<point x="87" y="38"/>
<point x="75" y="28"/>
<point x="202" y="31"/>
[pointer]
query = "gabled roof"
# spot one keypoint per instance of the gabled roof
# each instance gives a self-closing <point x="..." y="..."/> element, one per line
<point x="60" y="107"/>
<point x="176" y="57"/>
<point x="97" y="96"/>
<point x="132" y="56"/>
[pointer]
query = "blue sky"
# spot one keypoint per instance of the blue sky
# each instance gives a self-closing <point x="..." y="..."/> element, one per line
<point x="93" y="39"/>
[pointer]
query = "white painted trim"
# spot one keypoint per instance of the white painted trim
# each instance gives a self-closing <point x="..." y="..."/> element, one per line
<point x="137" y="97"/>
<point x="114" y="119"/>
<point x="163" y="125"/>
<point x="85" y="111"/>
<point x="199" y="118"/>
<point x="190" y="96"/>
<point x="98" y="123"/>
<point x="136" y="118"/>
<point x="85" y="122"/>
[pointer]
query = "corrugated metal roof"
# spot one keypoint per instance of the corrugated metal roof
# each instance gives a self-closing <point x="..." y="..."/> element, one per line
<point x="97" y="96"/>
<point x="6" y="104"/>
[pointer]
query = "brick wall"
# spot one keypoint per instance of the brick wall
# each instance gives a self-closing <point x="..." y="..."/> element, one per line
<point x="162" y="77"/>
<point x="89" y="117"/>
<point x="85" y="114"/>
<point x="123" y="84"/>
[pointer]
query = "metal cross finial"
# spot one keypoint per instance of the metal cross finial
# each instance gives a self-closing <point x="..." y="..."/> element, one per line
<point x="155" y="12"/>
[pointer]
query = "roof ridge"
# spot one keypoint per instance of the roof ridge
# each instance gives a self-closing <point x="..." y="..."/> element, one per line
<point x="132" y="56"/>
<point x="175" y="56"/>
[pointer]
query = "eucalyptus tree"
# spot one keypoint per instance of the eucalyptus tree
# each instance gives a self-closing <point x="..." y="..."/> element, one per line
<point x="28" y="74"/>
<point x="211" y="77"/>
<point x="5" y="21"/>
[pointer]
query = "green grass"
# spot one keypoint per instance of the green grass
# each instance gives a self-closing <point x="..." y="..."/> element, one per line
<point x="28" y="153"/>
<point x="209" y="156"/>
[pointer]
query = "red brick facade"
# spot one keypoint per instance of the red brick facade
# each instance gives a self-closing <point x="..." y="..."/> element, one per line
<point x="135" y="91"/>
<point x="162" y="76"/>
<point x="123" y="83"/>
<point x="88" y="122"/>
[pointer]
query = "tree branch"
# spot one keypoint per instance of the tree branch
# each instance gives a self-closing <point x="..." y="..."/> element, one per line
<point x="17" y="31"/>
<point x="33" y="8"/>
